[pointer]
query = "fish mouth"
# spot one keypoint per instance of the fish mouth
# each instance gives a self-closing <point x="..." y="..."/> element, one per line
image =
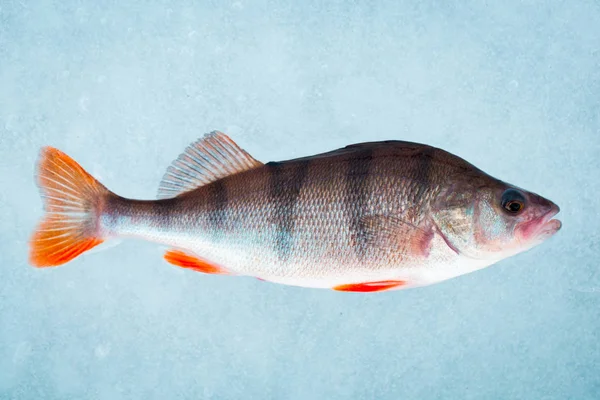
<point x="551" y="225"/>
<point x="543" y="227"/>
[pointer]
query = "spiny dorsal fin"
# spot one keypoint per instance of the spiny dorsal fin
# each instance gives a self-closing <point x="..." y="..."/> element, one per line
<point x="208" y="159"/>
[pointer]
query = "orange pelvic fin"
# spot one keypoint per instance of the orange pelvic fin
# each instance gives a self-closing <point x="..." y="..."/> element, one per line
<point x="73" y="201"/>
<point x="370" y="286"/>
<point x="186" y="260"/>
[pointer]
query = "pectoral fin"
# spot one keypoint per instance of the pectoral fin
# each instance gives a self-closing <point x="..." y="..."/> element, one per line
<point x="395" y="235"/>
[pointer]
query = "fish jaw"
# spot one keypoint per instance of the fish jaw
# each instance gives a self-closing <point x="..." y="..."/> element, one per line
<point x="539" y="229"/>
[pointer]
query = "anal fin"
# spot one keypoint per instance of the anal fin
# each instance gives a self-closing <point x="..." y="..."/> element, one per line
<point x="189" y="261"/>
<point x="366" y="287"/>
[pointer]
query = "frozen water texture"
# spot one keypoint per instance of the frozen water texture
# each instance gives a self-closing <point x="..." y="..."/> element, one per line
<point x="123" y="87"/>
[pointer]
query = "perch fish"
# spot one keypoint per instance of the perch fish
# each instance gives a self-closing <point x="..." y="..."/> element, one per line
<point x="369" y="217"/>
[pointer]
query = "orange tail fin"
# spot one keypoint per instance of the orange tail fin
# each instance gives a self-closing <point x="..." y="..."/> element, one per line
<point x="73" y="202"/>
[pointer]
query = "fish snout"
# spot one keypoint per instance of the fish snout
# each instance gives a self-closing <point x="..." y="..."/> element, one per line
<point x="541" y="225"/>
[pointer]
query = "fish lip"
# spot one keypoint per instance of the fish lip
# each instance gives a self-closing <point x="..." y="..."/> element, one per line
<point x="547" y="219"/>
<point x="542" y="227"/>
<point x="550" y="225"/>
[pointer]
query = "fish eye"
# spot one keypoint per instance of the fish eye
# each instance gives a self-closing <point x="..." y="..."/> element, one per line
<point x="513" y="201"/>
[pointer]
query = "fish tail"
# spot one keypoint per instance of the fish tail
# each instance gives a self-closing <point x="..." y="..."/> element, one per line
<point x="74" y="201"/>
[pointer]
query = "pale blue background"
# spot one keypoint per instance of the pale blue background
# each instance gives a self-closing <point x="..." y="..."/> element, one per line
<point x="123" y="87"/>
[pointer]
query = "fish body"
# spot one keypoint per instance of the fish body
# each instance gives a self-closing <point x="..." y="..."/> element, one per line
<point x="367" y="217"/>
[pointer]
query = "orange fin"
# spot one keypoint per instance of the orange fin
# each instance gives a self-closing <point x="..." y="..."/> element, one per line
<point x="73" y="201"/>
<point x="209" y="159"/>
<point x="186" y="260"/>
<point x="370" y="286"/>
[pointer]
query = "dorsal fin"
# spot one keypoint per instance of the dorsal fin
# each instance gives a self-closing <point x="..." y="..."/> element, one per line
<point x="208" y="159"/>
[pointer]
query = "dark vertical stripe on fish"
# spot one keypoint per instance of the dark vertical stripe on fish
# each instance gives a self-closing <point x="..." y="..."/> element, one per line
<point x="162" y="211"/>
<point x="357" y="196"/>
<point x="285" y="185"/>
<point x="423" y="171"/>
<point x="217" y="205"/>
<point x="119" y="210"/>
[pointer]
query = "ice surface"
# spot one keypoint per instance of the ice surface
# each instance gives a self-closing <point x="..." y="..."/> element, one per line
<point x="123" y="87"/>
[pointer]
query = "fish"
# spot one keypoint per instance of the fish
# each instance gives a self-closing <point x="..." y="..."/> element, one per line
<point x="368" y="217"/>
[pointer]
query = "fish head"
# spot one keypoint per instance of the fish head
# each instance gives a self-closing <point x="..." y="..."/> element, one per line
<point x="487" y="219"/>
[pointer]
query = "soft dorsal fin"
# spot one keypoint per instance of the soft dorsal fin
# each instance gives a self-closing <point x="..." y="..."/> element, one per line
<point x="208" y="159"/>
